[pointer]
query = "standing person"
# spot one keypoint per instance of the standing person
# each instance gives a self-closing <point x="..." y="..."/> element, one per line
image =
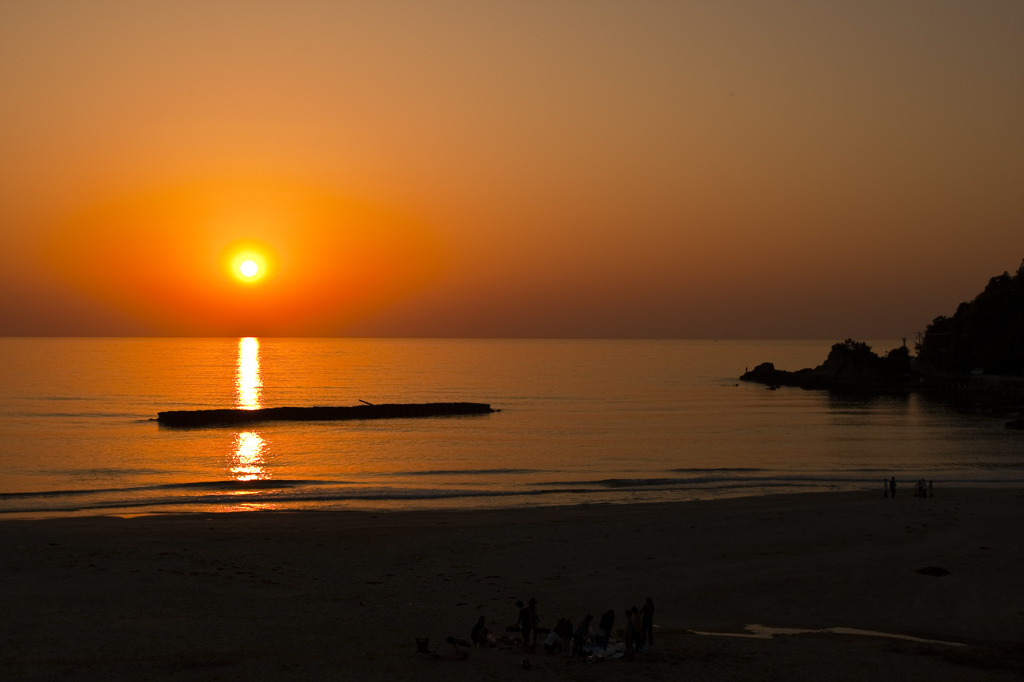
<point x="604" y="628"/>
<point x="520" y="617"/>
<point x="635" y="618"/>
<point x="529" y="618"/>
<point x="630" y="635"/>
<point x="581" y="637"/>
<point x="892" y="487"/>
<point x="564" y="631"/>
<point x="647" y="623"/>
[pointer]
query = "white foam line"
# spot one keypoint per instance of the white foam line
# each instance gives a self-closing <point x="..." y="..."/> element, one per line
<point x="764" y="632"/>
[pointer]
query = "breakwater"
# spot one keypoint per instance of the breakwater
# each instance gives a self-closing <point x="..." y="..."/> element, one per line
<point x="231" y="417"/>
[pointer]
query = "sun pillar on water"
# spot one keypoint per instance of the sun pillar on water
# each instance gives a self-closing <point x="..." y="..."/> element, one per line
<point x="248" y="380"/>
<point x="248" y="460"/>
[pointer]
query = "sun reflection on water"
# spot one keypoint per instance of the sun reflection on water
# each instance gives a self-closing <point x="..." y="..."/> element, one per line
<point x="249" y="461"/>
<point x="248" y="379"/>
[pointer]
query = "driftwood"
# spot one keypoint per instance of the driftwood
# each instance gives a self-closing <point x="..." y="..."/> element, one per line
<point x="230" y="417"/>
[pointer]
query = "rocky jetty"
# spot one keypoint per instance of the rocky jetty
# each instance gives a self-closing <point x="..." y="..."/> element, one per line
<point x="231" y="417"/>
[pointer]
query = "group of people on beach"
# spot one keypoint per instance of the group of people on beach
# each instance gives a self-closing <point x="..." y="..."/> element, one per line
<point x="922" y="488"/>
<point x="581" y="641"/>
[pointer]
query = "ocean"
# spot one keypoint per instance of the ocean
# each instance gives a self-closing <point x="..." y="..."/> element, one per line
<point x="579" y="421"/>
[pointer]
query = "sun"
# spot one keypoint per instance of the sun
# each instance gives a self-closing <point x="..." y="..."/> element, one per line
<point x="249" y="268"/>
<point x="249" y="262"/>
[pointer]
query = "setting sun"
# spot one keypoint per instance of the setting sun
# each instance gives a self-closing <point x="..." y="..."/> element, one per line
<point x="249" y="268"/>
<point x="249" y="261"/>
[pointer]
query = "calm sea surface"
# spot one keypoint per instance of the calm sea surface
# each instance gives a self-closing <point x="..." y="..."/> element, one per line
<point x="580" y="422"/>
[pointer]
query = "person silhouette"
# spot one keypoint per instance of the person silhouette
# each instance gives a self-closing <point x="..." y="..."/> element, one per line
<point x="647" y="623"/>
<point x="480" y="635"/>
<point x="629" y="636"/>
<point x="604" y="628"/>
<point x="581" y="637"/>
<point x="528" y="621"/>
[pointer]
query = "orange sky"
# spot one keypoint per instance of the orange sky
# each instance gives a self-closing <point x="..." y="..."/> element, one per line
<point x="800" y="169"/>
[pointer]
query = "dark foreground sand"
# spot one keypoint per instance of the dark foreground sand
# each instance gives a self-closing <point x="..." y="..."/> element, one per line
<point x="343" y="595"/>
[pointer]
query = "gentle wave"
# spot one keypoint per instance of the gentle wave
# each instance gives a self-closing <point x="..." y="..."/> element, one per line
<point x="777" y="480"/>
<point x="126" y="416"/>
<point x="191" y="485"/>
<point x="314" y="494"/>
<point x="316" y="498"/>
<point x="459" y="472"/>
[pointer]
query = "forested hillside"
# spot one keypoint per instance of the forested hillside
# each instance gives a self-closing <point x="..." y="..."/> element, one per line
<point x="985" y="333"/>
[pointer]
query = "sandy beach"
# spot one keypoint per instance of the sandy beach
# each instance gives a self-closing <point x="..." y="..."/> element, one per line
<point x="313" y="595"/>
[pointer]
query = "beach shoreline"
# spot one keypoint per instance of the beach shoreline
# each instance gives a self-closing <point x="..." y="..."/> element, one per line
<point x="292" y="595"/>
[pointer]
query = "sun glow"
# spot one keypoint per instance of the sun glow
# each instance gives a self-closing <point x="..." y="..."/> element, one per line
<point x="249" y="262"/>
<point x="323" y="262"/>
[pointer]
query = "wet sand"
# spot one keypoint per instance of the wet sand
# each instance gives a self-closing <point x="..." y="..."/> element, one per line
<point x="311" y="595"/>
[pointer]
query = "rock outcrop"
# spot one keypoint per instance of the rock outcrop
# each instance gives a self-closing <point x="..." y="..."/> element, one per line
<point x="851" y="365"/>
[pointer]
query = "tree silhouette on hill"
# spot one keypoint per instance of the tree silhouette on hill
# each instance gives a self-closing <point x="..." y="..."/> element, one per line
<point x="986" y="333"/>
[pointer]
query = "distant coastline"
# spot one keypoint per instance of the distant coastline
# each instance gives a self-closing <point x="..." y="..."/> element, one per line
<point x="973" y="357"/>
<point x="851" y="366"/>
